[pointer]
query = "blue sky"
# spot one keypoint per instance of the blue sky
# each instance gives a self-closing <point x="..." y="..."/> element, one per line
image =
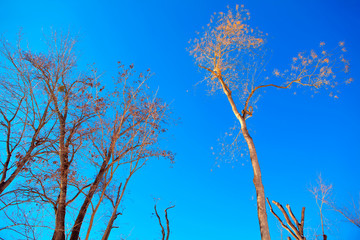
<point x="297" y="136"/>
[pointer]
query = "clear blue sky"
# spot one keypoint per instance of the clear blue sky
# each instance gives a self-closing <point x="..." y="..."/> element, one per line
<point x="297" y="136"/>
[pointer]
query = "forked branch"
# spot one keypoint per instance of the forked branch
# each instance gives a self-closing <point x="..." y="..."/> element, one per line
<point x="167" y="234"/>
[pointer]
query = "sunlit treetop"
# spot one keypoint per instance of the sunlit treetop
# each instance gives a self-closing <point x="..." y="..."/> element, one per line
<point x="222" y="44"/>
<point x="234" y="55"/>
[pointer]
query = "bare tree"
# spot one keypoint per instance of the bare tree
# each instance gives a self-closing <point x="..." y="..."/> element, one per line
<point x="322" y="193"/>
<point x="85" y="126"/>
<point x="232" y="55"/>
<point x="70" y="96"/>
<point x="130" y="137"/>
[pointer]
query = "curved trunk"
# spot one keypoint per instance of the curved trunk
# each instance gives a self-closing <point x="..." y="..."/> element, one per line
<point x="259" y="187"/>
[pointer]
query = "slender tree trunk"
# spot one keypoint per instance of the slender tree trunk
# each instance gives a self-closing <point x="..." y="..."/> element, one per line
<point x="114" y="215"/>
<point x="259" y="187"/>
<point x="91" y="221"/>
<point x="80" y="218"/>
<point x="260" y="192"/>
<point x="59" y="233"/>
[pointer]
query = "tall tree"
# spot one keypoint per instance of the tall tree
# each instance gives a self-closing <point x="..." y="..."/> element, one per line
<point x="129" y="136"/>
<point x="232" y="55"/>
<point x="74" y="134"/>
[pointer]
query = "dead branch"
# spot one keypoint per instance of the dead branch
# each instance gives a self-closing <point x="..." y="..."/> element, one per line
<point x="293" y="226"/>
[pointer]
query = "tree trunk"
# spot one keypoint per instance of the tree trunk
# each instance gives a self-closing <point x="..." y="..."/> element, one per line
<point x="260" y="193"/>
<point x="59" y="233"/>
<point x="80" y="218"/>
